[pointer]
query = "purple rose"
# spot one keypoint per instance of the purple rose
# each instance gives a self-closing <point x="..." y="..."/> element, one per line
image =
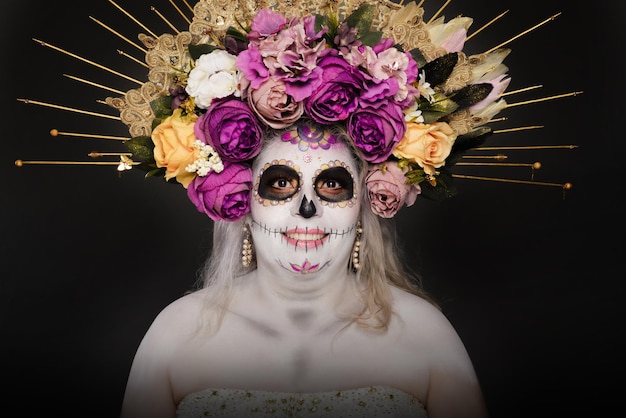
<point x="376" y="130"/>
<point x="223" y="196"/>
<point x="387" y="189"/>
<point x="338" y="95"/>
<point x="273" y="105"/>
<point x="230" y="126"/>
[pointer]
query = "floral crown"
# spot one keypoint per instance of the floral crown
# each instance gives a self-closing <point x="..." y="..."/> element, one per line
<point x="411" y="101"/>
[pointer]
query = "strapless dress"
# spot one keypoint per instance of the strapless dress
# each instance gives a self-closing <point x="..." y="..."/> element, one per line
<point x="368" y="402"/>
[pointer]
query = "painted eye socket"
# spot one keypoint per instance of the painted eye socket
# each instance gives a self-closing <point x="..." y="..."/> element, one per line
<point x="279" y="182"/>
<point x="334" y="184"/>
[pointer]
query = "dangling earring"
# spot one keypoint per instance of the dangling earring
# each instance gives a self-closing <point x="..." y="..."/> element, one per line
<point x="356" y="249"/>
<point x="246" y="248"/>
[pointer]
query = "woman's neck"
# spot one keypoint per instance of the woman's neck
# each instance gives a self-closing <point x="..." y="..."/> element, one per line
<point x="307" y="302"/>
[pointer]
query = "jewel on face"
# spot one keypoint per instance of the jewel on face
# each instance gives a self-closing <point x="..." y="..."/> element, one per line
<point x="303" y="216"/>
<point x="305" y="268"/>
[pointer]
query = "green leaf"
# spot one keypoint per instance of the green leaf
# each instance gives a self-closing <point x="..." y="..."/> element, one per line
<point x="361" y="19"/>
<point x="438" y="109"/>
<point x="142" y="148"/>
<point x="330" y="23"/>
<point x="197" y="50"/>
<point x="162" y="107"/>
<point x="418" y="57"/>
<point x="444" y="189"/>
<point x="153" y="172"/>
<point x="236" y="34"/>
<point x="371" y="38"/>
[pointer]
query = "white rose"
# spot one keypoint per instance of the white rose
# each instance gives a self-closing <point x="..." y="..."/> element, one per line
<point x="214" y="76"/>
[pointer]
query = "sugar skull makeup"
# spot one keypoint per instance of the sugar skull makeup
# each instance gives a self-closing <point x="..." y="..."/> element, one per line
<point x="305" y="202"/>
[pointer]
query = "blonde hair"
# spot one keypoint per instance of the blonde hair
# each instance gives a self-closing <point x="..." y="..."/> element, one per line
<point x="380" y="262"/>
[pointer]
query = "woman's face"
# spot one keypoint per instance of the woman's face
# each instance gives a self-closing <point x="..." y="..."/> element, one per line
<point x="305" y="204"/>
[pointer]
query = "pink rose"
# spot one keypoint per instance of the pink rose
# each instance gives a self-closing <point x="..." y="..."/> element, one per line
<point x="387" y="189"/>
<point x="223" y="196"/>
<point x="428" y="145"/>
<point x="273" y="106"/>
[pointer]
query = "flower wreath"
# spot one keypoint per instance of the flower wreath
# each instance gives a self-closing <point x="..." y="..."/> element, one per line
<point x="408" y="97"/>
<point x="281" y="69"/>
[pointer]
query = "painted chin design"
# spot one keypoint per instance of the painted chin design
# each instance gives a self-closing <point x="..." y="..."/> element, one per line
<point x="305" y="238"/>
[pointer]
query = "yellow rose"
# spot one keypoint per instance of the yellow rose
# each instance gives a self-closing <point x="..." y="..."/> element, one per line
<point x="173" y="146"/>
<point x="426" y="144"/>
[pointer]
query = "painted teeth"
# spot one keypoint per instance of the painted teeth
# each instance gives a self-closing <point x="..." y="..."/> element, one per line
<point x="305" y="237"/>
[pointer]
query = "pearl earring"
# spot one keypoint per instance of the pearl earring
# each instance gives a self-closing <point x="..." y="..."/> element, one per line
<point x="246" y="251"/>
<point x="356" y="249"/>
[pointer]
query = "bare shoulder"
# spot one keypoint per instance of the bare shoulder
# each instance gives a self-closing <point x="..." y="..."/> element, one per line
<point x="180" y="316"/>
<point x="432" y="342"/>
<point x="412" y="308"/>
<point x="422" y="323"/>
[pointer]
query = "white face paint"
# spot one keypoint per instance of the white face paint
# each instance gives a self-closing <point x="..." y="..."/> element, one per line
<point x="304" y="208"/>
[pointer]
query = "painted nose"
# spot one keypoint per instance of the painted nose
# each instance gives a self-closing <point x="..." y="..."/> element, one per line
<point x="307" y="208"/>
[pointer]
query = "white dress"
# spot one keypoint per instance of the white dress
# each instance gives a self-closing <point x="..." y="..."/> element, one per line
<point x="369" y="402"/>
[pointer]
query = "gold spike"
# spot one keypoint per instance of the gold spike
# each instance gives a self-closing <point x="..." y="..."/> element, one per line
<point x="535" y="165"/>
<point x="507" y="93"/>
<point x="96" y="154"/>
<point x="525" y="147"/>
<point x="180" y="11"/>
<point x="494" y="157"/>
<point x="486" y="25"/>
<point x="500" y="119"/>
<point x="439" y="11"/>
<point x="543" y="99"/>
<point x="551" y="18"/>
<point x="420" y="3"/>
<point x="56" y="132"/>
<point x="188" y="6"/>
<point x="164" y="19"/>
<point x="118" y="34"/>
<point x="87" y="61"/>
<point x="86" y="112"/>
<point x="95" y="84"/>
<point x="564" y="186"/>
<point x="124" y="54"/>
<point x="20" y="163"/>
<point x="133" y="19"/>
<point x="521" y="128"/>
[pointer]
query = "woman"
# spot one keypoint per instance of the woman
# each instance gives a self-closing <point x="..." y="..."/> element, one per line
<point x="318" y="318"/>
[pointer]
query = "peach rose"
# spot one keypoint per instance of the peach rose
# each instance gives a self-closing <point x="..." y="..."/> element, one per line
<point x="174" y="146"/>
<point x="426" y="144"/>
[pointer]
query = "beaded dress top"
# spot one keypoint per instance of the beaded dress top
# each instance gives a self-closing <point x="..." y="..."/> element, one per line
<point x="367" y="402"/>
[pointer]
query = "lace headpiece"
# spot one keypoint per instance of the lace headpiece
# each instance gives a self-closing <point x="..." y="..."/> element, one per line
<point x="411" y="101"/>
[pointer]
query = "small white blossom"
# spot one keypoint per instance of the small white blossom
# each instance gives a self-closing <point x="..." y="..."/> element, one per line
<point x="413" y="114"/>
<point x="207" y="161"/>
<point x="424" y="88"/>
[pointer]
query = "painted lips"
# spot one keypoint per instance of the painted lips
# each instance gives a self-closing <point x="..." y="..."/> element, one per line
<point x="305" y="238"/>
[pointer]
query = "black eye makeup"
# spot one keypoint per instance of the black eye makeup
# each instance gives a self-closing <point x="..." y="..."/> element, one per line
<point x="279" y="182"/>
<point x="334" y="184"/>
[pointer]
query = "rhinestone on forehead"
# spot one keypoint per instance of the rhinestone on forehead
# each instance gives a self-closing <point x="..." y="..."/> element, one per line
<point x="351" y="202"/>
<point x="267" y="202"/>
<point x="307" y="135"/>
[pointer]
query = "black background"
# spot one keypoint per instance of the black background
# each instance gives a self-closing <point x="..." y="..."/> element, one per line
<point x="531" y="281"/>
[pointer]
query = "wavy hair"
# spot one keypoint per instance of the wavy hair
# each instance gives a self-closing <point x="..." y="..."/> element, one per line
<point x="380" y="257"/>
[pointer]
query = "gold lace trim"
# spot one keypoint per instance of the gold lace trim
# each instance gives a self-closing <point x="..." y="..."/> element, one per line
<point x="403" y="24"/>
